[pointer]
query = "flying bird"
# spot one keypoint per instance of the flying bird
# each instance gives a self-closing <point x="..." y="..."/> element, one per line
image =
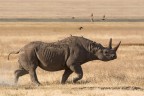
<point x="80" y="28"/>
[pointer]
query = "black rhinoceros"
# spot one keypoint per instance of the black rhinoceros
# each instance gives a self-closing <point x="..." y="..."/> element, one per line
<point x="67" y="54"/>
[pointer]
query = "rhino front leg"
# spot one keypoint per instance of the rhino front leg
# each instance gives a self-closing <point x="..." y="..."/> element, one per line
<point x="78" y="70"/>
<point x="65" y="76"/>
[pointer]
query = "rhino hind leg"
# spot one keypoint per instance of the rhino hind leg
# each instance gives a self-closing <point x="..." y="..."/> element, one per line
<point x="18" y="73"/>
<point x="78" y="70"/>
<point x="33" y="77"/>
<point x="30" y="66"/>
<point x="65" y="76"/>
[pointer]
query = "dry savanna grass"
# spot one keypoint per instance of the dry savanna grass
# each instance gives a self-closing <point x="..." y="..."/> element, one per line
<point x="121" y="77"/>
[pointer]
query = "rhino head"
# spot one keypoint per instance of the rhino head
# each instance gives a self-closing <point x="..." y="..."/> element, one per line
<point x="106" y="53"/>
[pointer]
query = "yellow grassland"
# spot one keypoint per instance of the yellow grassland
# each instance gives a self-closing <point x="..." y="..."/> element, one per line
<point x="121" y="77"/>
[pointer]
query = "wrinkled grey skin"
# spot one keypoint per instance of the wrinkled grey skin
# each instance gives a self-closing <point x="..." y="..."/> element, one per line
<point x="68" y="54"/>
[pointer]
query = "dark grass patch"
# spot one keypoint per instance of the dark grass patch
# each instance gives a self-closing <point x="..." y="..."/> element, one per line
<point x="112" y="88"/>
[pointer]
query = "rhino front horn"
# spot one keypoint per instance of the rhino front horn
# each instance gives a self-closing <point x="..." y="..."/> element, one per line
<point x="110" y="44"/>
<point x="117" y="46"/>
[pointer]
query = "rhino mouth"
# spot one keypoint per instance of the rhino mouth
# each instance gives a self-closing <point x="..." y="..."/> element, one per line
<point x="109" y="59"/>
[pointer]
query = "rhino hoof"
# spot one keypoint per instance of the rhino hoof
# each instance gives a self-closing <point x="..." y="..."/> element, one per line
<point x="37" y="84"/>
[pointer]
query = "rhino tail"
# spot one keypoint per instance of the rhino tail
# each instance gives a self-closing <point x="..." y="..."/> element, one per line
<point x="14" y="52"/>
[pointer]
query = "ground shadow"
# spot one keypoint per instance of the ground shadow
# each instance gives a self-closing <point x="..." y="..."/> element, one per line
<point x="112" y="88"/>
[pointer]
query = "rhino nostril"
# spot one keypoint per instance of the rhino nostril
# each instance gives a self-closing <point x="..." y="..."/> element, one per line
<point x="113" y="56"/>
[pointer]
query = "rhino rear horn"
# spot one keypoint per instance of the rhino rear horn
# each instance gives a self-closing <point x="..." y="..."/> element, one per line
<point x="110" y="44"/>
<point x="117" y="46"/>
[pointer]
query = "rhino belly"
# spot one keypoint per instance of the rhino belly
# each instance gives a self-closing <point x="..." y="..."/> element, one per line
<point x="52" y="60"/>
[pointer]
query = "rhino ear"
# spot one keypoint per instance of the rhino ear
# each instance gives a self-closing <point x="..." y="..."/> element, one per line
<point x="117" y="46"/>
<point x="110" y="44"/>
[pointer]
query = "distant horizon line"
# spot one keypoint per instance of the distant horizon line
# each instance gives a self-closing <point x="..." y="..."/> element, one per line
<point x="71" y="20"/>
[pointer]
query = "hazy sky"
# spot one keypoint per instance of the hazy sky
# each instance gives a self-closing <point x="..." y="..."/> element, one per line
<point x="66" y="8"/>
